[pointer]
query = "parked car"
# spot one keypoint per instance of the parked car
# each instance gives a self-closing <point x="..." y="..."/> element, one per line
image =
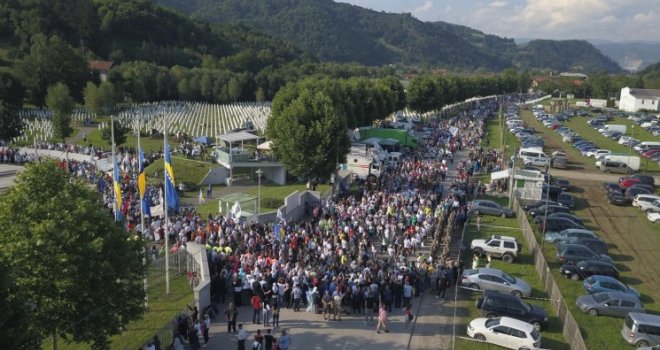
<point x="626" y="182"/>
<point x="634" y="191"/>
<point x="533" y="205"/>
<point x="497" y="246"/>
<point x="564" y="184"/>
<point x="568" y="233"/>
<point x="596" y="244"/>
<point x="573" y="253"/>
<point x="587" y="268"/>
<point x="641" y="329"/>
<point x="598" y="152"/>
<point x="549" y="209"/>
<point x="566" y="200"/>
<point x="614" y="166"/>
<point x="647" y="187"/>
<point x="497" y="280"/>
<point x="610" y="186"/>
<point x="569" y="216"/>
<point x="483" y="206"/>
<point x="494" y="304"/>
<point x="643" y="201"/>
<point x="598" y="283"/>
<point x="556" y="224"/>
<point x="506" y="332"/>
<point x="616" y="198"/>
<point x="653" y="217"/>
<point x="614" y="304"/>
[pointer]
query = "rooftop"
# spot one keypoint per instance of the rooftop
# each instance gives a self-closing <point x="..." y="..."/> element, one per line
<point x="238" y="137"/>
<point x="100" y="65"/>
<point x="645" y="93"/>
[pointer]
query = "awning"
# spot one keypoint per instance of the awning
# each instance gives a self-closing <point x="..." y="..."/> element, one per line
<point x="498" y="175"/>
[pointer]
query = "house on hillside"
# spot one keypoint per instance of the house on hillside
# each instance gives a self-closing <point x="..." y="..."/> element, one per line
<point x="633" y="100"/>
<point x="100" y="69"/>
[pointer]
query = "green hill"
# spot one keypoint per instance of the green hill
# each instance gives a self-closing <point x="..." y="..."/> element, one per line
<point x="348" y="33"/>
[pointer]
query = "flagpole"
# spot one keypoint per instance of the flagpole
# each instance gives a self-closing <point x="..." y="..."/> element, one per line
<point x="114" y="193"/>
<point x="167" y="253"/>
<point x="146" y="249"/>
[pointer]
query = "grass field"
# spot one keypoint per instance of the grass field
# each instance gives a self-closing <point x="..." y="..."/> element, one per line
<point x="190" y="172"/>
<point x="148" y="144"/>
<point x="162" y="309"/>
<point x="522" y="267"/>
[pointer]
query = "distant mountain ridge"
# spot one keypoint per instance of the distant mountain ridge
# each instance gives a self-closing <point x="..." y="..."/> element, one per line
<point x="632" y="56"/>
<point x="348" y="33"/>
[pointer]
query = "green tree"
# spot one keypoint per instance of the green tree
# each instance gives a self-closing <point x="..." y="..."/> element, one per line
<point x="308" y="134"/>
<point x="11" y="100"/>
<point x="235" y="89"/>
<point x="120" y="133"/>
<point x="260" y="95"/>
<point x="93" y="100"/>
<point x="52" y="60"/>
<point x="59" y="101"/>
<point x="78" y="270"/>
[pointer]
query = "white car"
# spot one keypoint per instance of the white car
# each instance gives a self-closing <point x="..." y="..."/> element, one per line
<point x="597" y="153"/>
<point x="653" y="217"/>
<point x="536" y="161"/>
<point x="506" y="332"/>
<point x="625" y="139"/>
<point x="645" y="201"/>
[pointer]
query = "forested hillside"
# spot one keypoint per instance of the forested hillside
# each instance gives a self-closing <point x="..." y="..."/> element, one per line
<point x="569" y="55"/>
<point x="157" y="53"/>
<point x="347" y="33"/>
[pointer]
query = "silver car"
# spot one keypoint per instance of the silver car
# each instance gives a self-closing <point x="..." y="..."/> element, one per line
<point x="614" y="304"/>
<point x="497" y="280"/>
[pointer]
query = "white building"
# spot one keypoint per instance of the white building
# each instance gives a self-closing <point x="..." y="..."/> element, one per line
<point x="633" y="100"/>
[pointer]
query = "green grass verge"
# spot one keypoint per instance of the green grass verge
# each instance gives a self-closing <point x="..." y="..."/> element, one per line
<point x="162" y="309"/>
<point x="523" y="267"/>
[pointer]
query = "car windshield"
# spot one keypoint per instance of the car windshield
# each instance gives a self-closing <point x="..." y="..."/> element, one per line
<point x="535" y="335"/>
<point x="508" y="278"/>
<point x="492" y="322"/>
<point x="600" y="297"/>
<point x="527" y="307"/>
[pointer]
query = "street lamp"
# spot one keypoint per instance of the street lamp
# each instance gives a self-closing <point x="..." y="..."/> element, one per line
<point x="259" y="173"/>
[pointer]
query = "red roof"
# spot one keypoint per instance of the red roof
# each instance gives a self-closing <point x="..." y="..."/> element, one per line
<point x="100" y="65"/>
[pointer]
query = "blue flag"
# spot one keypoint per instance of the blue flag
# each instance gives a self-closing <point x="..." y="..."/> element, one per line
<point x="170" y="188"/>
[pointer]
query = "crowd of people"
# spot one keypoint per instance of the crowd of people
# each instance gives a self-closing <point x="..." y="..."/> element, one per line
<point x="356" y="256"/>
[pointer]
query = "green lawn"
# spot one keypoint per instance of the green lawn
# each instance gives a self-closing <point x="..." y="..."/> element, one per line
<point x="494" y="139"/>
<point x="148" y="143"/>
<point x="272" y="196"/>
<point x="190" y="172"/>
<point x="162" y="309"/>
<point x="523" y="267"/>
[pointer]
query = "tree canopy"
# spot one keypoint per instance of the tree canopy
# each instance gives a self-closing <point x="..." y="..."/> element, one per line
<point x="11" y="101"/>
<point x="59" y="101"/>
<point x="307" y="132"/>
<point x="78" y="272"/>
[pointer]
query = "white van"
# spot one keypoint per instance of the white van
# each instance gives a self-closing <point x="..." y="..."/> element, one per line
<point x="647" y="145"/>
<point x="533" y="156"/>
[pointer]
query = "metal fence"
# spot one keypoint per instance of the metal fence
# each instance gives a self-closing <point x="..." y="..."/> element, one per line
<point x="571" y="329"/>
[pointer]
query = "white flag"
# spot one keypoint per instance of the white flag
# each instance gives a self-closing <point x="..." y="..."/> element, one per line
<point x="280" y="216"/>
<point x="236" y="211"/>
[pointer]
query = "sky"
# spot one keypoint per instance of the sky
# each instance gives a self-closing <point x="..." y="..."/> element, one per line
<point x="613" y="20"/>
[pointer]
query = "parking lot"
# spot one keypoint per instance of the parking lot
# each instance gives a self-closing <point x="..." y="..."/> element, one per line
<point x="633" y="241"/>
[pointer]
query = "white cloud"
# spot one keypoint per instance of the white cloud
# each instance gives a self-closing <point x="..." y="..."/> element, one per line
<point x="426" y="7"/>
<point x="498" y="3"/>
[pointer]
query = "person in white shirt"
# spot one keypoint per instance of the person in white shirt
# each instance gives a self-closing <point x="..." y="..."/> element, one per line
<point x="241" y="336"/>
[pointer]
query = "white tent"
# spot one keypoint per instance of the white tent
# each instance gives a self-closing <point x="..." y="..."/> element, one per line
<point x="266" y="146"/>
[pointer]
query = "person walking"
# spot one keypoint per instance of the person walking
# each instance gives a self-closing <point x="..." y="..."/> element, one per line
<point x="241" y="337"/>
<point x="407" y="293"/>
<point x="407" y="313"/>
<point x="336" y="299"/>
<point x="327" y="305"/>
<point x="204" y="326"/>
<point x="382" y="319"/>
<point x="296" y="293"/>
<point x="369" y="301"/>
<point x="268" y="340"/>
<point x="443" y="283"/>
<point x="285" y="341"/>
<point x="231" y="314"/>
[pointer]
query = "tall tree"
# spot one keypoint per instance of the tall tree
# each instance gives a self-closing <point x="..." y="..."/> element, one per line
<point x="234" y="88"/>
<point x="90" y="284"/>
<point x="11" y="100"/>
<point x="308" y="135"/>
<point x="120" y="133"/>
<point x="52" y="60"/>
<point x="59" y="101"/>
<point x="93" y="101"/>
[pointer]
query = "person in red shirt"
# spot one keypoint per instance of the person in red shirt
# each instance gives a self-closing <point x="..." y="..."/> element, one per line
<point x="256" y="308"/>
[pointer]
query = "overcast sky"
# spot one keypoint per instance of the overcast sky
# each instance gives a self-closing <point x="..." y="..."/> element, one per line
<point x="615" y="20"/>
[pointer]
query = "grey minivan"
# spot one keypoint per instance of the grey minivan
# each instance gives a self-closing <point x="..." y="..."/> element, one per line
<point x="614" y="304"/>
<point x="641" y="329"/>
<point x="615" y="166"/>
